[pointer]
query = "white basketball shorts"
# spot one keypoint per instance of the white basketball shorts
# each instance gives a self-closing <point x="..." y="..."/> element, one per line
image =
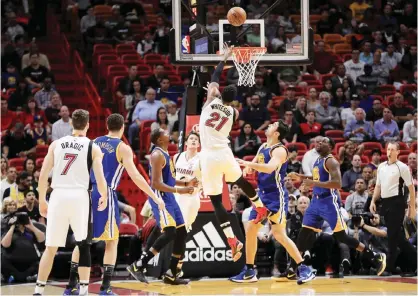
<point x="215" y="164"/>
<point x="67" y="207"/>
<point x="189" y="206"/>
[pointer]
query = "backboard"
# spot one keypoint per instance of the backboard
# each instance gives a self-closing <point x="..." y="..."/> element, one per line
<point x="200" y="27"/>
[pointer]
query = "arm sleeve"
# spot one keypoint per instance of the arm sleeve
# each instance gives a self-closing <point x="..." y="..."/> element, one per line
<point x="406" y="175"/>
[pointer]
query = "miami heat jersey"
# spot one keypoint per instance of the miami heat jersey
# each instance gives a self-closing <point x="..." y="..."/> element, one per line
<point x="215" y="124"/>
<point x="71" y="159"/>
<point x="187" y="169"/>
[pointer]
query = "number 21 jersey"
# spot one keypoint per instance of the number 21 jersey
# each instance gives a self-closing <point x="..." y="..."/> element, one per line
<point x="215" y="124"/>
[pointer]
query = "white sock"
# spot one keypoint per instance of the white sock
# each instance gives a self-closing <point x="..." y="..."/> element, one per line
<point x="40" y="286"/>
<point x="228" y="232"/>
<point x="84" y="288"/>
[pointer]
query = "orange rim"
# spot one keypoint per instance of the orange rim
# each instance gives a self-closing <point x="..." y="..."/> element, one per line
<point x="244" y="54"/>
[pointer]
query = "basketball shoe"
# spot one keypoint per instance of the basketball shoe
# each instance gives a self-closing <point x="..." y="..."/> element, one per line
<point x="170" y="279"/>
<point x="72" y="290"/>
<point x="306" y="274"/>
<point x="236" y="247"/>
<point x="247" y="275"/>
<point x="138" y="272"/>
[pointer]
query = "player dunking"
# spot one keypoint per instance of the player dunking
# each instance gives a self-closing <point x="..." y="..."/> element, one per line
<point x="325" y="205"/>
<point x="271" y="163"/>
<point x="216" y="157"/>
<point x="70" y="159"/>
<point x="117" y="156"/>
<point x="170" y="221"/>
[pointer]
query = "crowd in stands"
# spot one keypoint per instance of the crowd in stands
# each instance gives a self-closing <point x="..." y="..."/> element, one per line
<point x="361" y="90"/>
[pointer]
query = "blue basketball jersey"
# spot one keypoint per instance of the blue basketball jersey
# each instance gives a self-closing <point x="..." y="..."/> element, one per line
<point x="320" y="173"/>
<point x="276" y="178"/>
<point x="168" y="172"/>
<point x="112" y="167"/>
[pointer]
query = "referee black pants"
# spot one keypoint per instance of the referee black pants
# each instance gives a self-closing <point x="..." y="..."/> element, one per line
<point x="393" y="210"/>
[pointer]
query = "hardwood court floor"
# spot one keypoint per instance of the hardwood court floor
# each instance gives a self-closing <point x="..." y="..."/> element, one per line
<point x="319" y="287"/>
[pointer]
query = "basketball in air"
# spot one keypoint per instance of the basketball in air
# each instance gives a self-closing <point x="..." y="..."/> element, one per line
<point x="236" y="16"/>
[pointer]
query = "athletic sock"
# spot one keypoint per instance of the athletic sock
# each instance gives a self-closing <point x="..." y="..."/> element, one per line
<point x="107" y="276"/>
<point x="40" y="286"/>
<point x="180" y="264"/>
<point x="144" y="259"/>
<point x="226" y="227"/>
<point x="250" y="266"/>
<point x="72" y="282"/>
<point x="84" y="287"/>
<point x="173" y="264"/>
<point x="257" y="201"/>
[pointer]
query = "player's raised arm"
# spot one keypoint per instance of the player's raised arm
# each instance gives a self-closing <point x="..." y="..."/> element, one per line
<point x="97" y="166"/>
<point x="47" y="166"/>
<point x="278" y="157"/>
<point x="128" y="164"/>
<point x="213" y="87"/>
<point x="334" y="171"/>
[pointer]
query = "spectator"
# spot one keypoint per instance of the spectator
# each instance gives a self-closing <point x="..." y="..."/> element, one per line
<point x="97" y="34"/>
<point x="337" y="81"/>
<point x="391" y="58"/>
<point x="323" y="62"/>
<point x="366" y="56"/>
<point x="9" y="207"/>
<point x="17" y="193"/>
<point x="133" y="11"/>
<point x="87" y="21"/>
<point x="173" y="114"/>
<point x="114" y="19"/>
<point x="35" y="73"/>
<point x="211" y="23"/>
<point x="43" y="59"/>
<point x="43" y="96"/>
<point x="313" y="101"/>
<point x="10" y="78"/>
<point x="30" y="112"/>
<point x="125" y="86"/>
<point x="339" y="99"/>
<point x="17" y="143"/>
<point x="348" y="114"/>
<point x="410" y="129"/>
<point x="400" y="112"/>
<point x="247" y="143"/>
<point x="354" y="67"/>
<point x="20" y="258"/>
<point x="323" y="26"/>
<point x="376" y="112"/>
<point x="328" y="86"/>
<point x="144" y="110"/>
<point x="366" y="101"/>
<point x="327" y="115"/>
<point x="154" y="81"/>
<point x="375" y="235"/>
<point x="310" y="157"/>
<point x="359" y="130"/>
<point x="409" y="59"/>
<point x="121" y="33"/>
<point x="297" y="38"/>
<point x="291" y="189"/>
<point x="367" y="174"/>
<point x="31" y="208"/>
<point x="300" y="111"/>
<point x="52" y="112"/>
<point x="146" y="45"/>
<point x="163" y="42"/>
<point x="8" y="118"/>
<point x="386" y="129"/>
<point x="262" y="91"/>
<point x="62" y="127"/>
<point x="242" y="201"/>
<point x="4" y="168"/>
<point x="378" y="45"/>
<point x="293" y="164"/>
<point x="39" y="134"/>
<point x="29" y="166"/>
<point x="13" y="28"/>
<point x="9" y="181"/>
<point x="232" y="76"/>
<point x="358" y="9"/>
<point x="286" y="22"/>
<point x="387" y="18"/>
<point x="354" y="204"/>
<point x="162" y="121"/>
<point x="289" y="103"/>
<point x="256" y="115"/>
<point x="254" y="37"/>
<point x="376" y="156"/>
<point x="278" y="43"/>
<point x="19" y="98"/>
<point x="409" y="16"/>
<point x="367" y="80"/>
<point x="309" y="129"/>
<point x="132" y="99"/>
<point x="412" y="164"/>
<point x="346" y="154"/>
<point x="350" y="176"/>
<point x="10" y="55"/>
<point x="292" y="135"/>
<point x="164" y="94"/>
<point x="379" y="70"/>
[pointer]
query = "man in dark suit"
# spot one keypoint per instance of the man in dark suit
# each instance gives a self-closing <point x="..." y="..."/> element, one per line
<point x="337" y="81"/>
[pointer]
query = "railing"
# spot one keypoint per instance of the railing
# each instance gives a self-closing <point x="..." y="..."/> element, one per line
<point x="79" y="65"/>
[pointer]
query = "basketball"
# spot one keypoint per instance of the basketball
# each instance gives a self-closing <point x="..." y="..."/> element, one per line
<point x="236" y="16"/>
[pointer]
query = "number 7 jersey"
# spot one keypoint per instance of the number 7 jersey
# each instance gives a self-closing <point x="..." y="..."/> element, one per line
<point x="215" y="124"/>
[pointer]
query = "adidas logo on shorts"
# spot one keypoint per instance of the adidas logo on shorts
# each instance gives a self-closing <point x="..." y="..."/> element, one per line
<point x="207" y="246"/>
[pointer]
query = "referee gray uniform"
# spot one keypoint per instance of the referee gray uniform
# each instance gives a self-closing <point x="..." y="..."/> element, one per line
<point x="392" y="179"/>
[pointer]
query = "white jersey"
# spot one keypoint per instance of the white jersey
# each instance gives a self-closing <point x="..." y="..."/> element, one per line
<point x="187" y="169"/>
<point x="71" y="159"/>
<point x="215" y="124"/>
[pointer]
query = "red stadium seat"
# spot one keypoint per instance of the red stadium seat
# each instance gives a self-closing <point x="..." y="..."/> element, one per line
<point x="344" y="195"/>
<point x="128" y="229"/>
<point x="324" y="77"/>
<point x="414" y="147"/>
<point x="300" y="146"/>
<point x="131" y="59"/>
<point x="372" y="145"/>
<point x="153" y="59"/>
<point x="408" y="88"/>
<point x="125" y="49"/>
<point x="39" y="162"/>
<point x="17" y="163"/>
<point x="234" y="134"/>
<point x="41" y="151"/>
<point x="102" y="48"/>
<point x="334" y="134"/>
<point x="386" y="89"/>
<point x="249" y="157"/>
<point x="403" y="158"/>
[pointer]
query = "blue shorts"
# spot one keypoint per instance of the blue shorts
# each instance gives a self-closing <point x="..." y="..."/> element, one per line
<point x="105" y="223"/>
<point x="172" y="215"/>
<point x="324" y="208"/>
<point x="276" y="202"/>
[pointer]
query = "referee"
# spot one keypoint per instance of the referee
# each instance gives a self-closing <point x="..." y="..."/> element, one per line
<point x="392" y="175"/>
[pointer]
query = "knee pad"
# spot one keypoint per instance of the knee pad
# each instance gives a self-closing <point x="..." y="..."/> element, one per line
<point x="306" y="239"/>
<point x="85" y="256"/>
<point x="342" y="237"/>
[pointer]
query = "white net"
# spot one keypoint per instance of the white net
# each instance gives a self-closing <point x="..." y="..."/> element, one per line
<point x="246" y="60"/>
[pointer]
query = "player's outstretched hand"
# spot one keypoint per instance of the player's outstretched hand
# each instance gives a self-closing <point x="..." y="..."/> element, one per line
<point x="161" y="205"/>
<point x="193" y="182"/>
<point x="295" y="176"/>
<point x="242" y="162"/>
<point x="308" y="182"/>
<point x="227" y="51"/>
<point x="102" y="203"/>
<point x="372" y="207"/>
<point x="185" y="190"/>
<point x="43" y="208"/>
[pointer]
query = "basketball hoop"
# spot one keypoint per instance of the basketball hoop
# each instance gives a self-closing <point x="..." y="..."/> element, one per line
<point x="246" y="60"/>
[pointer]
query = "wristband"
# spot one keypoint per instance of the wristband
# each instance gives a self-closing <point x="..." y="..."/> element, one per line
<point x="176" y="189"/>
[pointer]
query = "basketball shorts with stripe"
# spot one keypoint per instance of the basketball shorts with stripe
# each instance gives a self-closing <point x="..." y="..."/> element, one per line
<point x="276" y="202"/>
<point x="324" y="208"/>
<point x="68" y="207"/>
<point x="105" y="223"/>
<point x="189" y="206"/>
<point x="171" y="216"/>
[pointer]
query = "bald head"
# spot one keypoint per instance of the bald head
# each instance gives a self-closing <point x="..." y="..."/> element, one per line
<point x="64" y="113"/>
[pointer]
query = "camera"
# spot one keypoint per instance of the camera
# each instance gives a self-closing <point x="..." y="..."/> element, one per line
<point x="356" y="219"/>
<point x="22" y="218"/>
